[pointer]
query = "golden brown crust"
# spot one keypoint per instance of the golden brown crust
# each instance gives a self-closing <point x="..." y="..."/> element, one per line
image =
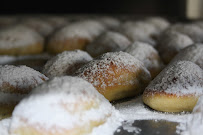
<point x="55" y="47"/>
<point x="23" y="50"/>
<point x="165" y="102"/>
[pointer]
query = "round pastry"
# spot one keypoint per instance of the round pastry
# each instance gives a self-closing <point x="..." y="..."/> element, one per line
<point x="4" y="126"/>
<point x="139" y="31"/>
<point x="34" y="61"/>
<point x="159" y="22"/>
<point x="74" y="36"/>
<point x="20" y="40"/>
<point x="171" y="43"/>
<point x="15" y="84"/>
<point x="148" y="55"/>
<point x="191" y="30"/>
<point x="176" y="89"/>
<point x="116" y="75"/>
<point x="62" y="106"/>
<point x="107" y="42"/>
<point x="109" y="22"/>
<point x="191" y="53"/>
<point x="66" y="63"/>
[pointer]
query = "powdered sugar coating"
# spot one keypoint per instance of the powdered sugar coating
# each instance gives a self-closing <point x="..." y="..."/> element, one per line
<point x="66" y="97"/>
<point x="4" y="126"/>
<point x="193" y="53"/>
<point x="66" y="63"/>
<point x="192" y="30"/>
<point x="159" y="22"/>
<point x="18" y="36"/>
<point x="101" y="64"/>
<point x="180" y="78"/>
<point x="39" y="25"/>
<point x="108" y="42"/>
<point x="20" y="77"/>
<point x="170" y="43"/>
<point x="145" y="53"/>
<point x="87" y="29"/>
<point x="139" y="31"/>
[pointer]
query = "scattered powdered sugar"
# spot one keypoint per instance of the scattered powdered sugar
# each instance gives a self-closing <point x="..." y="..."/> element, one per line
<point x="98" y="71"/>
<point x="194" y="123"/>
<point x="83" y="29"/>
<point x="159" y="22"/>
<point x="66" y="63"/>
<point x="171" y="42"/>
<point x="39" y="25"/>
<point x="75" y="101"/>
<point x="108" y="42"/>
<point x="192" y="30"/>
<point x="128" y="126"/>
<point x="136" y="110"/>
<point x="139" y="31"/>
<point x="20" y="77"/>
<point x="193" y="53"/>
<point x="4" y="126"/>
<point x="17" y="36"/>
<point x="145" y="53"/>
<point x="180" y="78"/>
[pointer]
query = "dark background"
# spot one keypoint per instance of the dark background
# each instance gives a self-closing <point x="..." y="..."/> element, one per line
<point x="139" y="7"/>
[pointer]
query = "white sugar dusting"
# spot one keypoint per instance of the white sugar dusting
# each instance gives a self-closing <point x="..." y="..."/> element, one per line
<point x="66" y="63"/>
<point x="180" y="78"/>
<point x="61" y="96"/>
<point x="128" y="126"/>
<point x="18" y="36"/>
<point x="193" y="53"/>
<point x="88" y="29"/>
<point x="108" y="42"/>
<point x="20" y="77"/>
<point x="4" y="126"/>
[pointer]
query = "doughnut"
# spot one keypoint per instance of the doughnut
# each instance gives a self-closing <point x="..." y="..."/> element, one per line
<point x="176" y="89"/>
<point x="74" y="36"/>
<point x="139" y="31"/>
<point x="107" y="42"/>
<point x="66" y="63"/>
<point x="159" y="22"/>
<point x="116" y="75"/>
<point x="109" y="22"/>
<point x="15" y="84"/>
<point x="170" y="43"/>
<point x="191" y="53"/>
<point x="20" y="40"/>
<point x="148" y="55"/>
<point x="4" y="126"/>
<point x="39" y="25"/>
<point x="36" y="61"/>
<point x="62" y="106"/>
<point x="191" y="30"/>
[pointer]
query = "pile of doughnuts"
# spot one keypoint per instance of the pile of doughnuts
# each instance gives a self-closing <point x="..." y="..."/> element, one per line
<point x="60" y="74"/>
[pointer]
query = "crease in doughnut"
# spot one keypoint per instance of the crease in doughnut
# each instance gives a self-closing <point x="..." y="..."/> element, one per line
<point x="177" y="88"/>
<point x="79" y="108"/>
<point x="116" y="75"/>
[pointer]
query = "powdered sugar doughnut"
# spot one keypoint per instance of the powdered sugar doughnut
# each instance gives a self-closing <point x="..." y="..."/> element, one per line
<point x="66" y="63"/>
<point x="68" y="106"/>
<point x="74" y="36"/>
<point x="107" y="42"/>
<point x="159" y="22"/>
<point x="39" y="25"/>
<point x="177" y="88"/>
<point x="171" y="43"/>
<point x="148" y="55"/>
<point x="4" y="126"/>
<point x="20" y="40"/>
<point x="116" y="75"/>
<point x="191" y="30"/>
<point x="139" y="31"/>
<point x="15" y="84"/>
<point x="191" y="53"/>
